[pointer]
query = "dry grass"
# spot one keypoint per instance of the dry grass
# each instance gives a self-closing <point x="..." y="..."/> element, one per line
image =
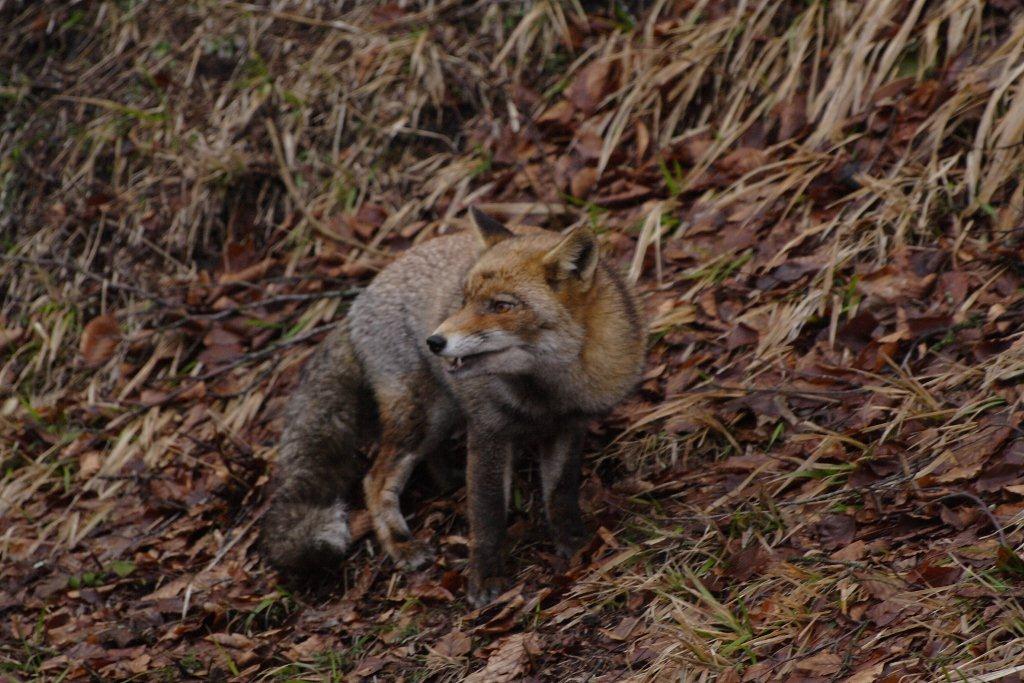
<point x="820" y="200"/>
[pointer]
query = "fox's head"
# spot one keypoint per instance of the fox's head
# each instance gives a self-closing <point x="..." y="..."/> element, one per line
<point x="525" y="303"/>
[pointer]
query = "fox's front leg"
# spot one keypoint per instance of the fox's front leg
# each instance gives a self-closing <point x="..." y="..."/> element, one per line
<point x="489" y="484"/>
<point x="382" y="486"/>
<point x="410" y="430"/>
<point x="560" y="482"/>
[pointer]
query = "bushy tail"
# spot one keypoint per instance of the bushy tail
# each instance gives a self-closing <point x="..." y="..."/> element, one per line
<point x="306" y="528"/>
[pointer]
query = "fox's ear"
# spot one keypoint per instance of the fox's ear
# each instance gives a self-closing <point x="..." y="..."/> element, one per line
<point x="489" y="230"/>
<point x="574" y="257"/>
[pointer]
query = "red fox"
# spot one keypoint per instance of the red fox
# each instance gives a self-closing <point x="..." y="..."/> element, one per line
<point x="520" y="336"/>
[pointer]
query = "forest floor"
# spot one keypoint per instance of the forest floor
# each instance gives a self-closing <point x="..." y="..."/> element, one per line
<point x="821" y="477"/>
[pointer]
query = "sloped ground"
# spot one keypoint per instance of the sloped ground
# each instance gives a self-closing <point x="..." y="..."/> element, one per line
<point x="820" y="478"/>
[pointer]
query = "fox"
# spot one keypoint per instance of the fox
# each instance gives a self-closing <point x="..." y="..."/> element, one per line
<point x="519" y="337"/>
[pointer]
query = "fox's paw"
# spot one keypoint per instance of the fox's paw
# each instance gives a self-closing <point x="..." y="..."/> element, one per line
<point x="484" y="591"/>
<point x="410" y="554"/>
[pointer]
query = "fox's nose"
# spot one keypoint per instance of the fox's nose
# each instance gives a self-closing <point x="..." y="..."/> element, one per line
<point x="436" y="343"/>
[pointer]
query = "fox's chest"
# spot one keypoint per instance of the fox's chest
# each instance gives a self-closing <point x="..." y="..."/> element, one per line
<point x="520" y="406"/>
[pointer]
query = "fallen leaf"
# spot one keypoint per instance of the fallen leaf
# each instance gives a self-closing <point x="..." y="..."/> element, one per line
<point x="958" y="473"/>
<point x="454" y="645"/>
<point x="746" y="563"/>
<point x="306" y="648"/>
<point x="430" y="592"/>
<point x="248" y="274"/>
<point x="508" y="662"/>
<point x="893" y="285"/>
<point x="851" y="552"/>
<point x="836" y="530"/>
<point x="591" y="85"/>
<point x="236" y="641"/>
<point x="823" y="664"/>
<point x="583" y="181"/>
<point x="99" y="340"/>
<point x="89" y="464"/>
<point x="623" y="630"/>
<point x="998" y="476"/>
<point x="868" y="674"/>
<point x="934" y="575"/>
<point x="741" y="335"/>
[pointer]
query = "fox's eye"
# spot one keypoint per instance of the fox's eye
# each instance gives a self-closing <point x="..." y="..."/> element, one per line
<point x="501" y="305"/>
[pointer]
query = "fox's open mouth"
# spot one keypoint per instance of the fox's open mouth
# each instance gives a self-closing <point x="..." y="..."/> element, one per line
<point x="457" y="364"/>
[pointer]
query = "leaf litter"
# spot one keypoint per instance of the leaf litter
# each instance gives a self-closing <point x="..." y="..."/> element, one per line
<point x="820" y="477"/>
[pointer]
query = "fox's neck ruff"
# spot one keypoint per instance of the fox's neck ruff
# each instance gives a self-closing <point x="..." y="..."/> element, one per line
<point x="611" y="345"/>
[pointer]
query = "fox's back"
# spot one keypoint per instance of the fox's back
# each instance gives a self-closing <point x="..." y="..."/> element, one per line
<point x="392" y="317"/>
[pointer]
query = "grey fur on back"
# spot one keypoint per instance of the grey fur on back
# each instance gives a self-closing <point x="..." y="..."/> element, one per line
<point x="398" y="310"/>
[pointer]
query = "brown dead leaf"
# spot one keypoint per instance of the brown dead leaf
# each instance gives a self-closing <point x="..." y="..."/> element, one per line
<point x="998" y="476"/>
<point x="153" y="397"/>
<point x="741" y="335"/>
<point x="583" y="182"/>
<point x="89" y="464"/>
<point x="822" y="664"/>
<point x="742" y="160"/>
<point x="643" y="140"/>
<point x="561" y="113"/>
<point x="99" y="340"/>
<point x="510" y="603"/>
<point x="222" y="346"/>
<point x="591" y="85"/>
<point x="368" y="666"/>
<point x="248" y="274"/>
<point x="366" y="220"/>
<point x="884" y="612"/>
<point x="430" y="592"/>
<point x="235" y="641"/>
<point x="138" y="665"/>
<point x="836" y="530"/>
<point x="792" y="117"/>
<point x="933" y="575"/>
<point x="509" y="661"/>
<point x="868" y="674"/>
<point x="454" y="645"/>
<point x="851" y="552"/>
<point x="858" y="331"/>
<point x="305" y="649"/>
<point x="894" y="285"/>
<point x="623" y="630"/>
<point x="958" y="473"/>
<point x="746" y="563"/>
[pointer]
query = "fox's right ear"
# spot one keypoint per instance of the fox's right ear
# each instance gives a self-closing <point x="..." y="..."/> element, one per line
<point x="489" y="230"/>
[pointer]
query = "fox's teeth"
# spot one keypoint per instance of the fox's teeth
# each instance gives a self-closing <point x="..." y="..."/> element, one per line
<point x="458" y="362"/>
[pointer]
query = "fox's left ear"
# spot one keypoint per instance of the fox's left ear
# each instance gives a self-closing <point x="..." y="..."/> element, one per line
<point x="489" y="230"/>
<point x="574" y="257"/>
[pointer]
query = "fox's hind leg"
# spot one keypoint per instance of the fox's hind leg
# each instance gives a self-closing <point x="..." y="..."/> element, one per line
<point x="411" y="428"/>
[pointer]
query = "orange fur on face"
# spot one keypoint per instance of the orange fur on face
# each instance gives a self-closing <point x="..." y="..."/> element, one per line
<point x="573" y="315"/>
<point x="483" y="290"/>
